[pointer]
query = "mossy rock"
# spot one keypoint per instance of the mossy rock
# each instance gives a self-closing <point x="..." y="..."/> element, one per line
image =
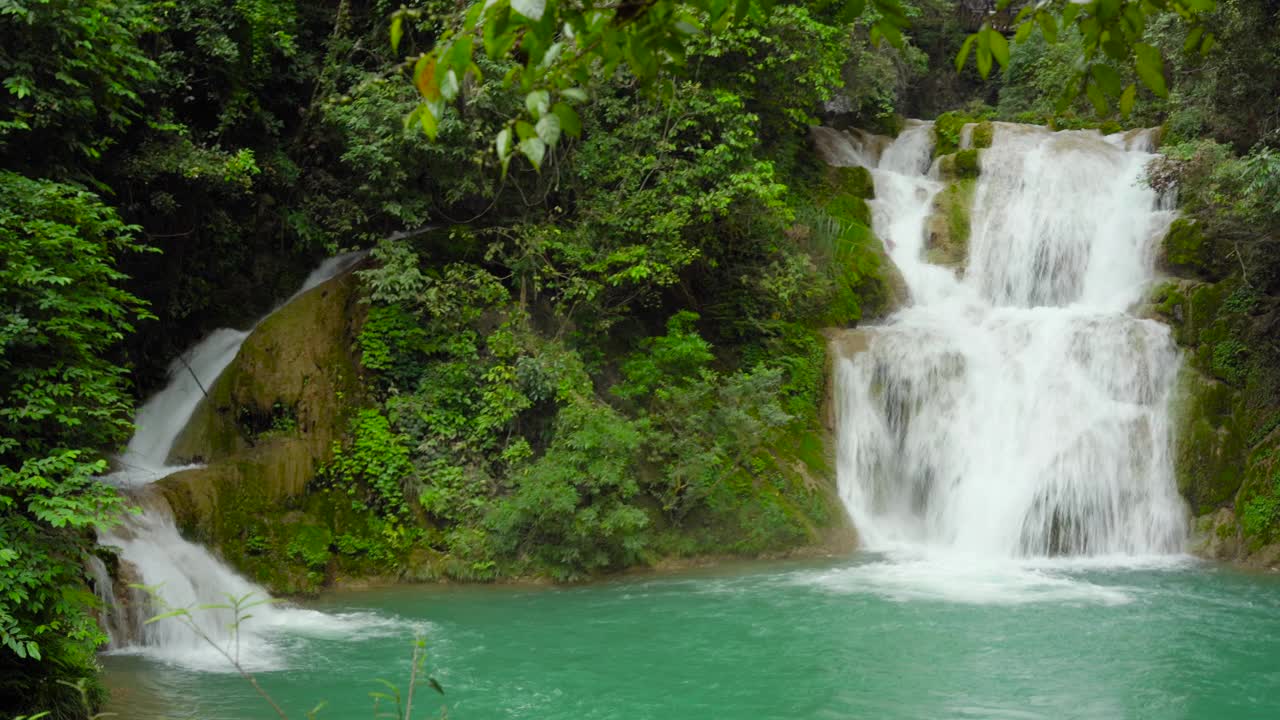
<point x="949" y="224"/>
<point x="298" y="363"/>
<point x="851" y="180"/>
<point x="982" y="135"/>
<point x="846" y="208"/>
<point x="1211" y="440"/>
<point x="961" y="165"/>
<point x="1186" y="250"/>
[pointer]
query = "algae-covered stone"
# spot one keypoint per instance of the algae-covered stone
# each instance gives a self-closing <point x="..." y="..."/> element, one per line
<point x="1186" y="250"/>
<point x="1211" y="440"/>
<point x="982" y="135"/>
<point x="959" y="165"/>
<point x="852" y="180"/>
<point x="296" y="365"/>
<point x="948" y="226"/>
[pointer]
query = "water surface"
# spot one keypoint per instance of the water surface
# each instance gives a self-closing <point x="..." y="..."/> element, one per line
<point x="872" y="637"/>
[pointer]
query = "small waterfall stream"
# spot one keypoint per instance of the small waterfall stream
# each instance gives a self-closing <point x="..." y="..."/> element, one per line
<point x="153" y="553"/>
<point x="1015" y="410"/>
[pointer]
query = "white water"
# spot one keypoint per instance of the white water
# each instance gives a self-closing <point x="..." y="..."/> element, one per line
<point x="184" y="574"/>
<point x="1015" y="413"/>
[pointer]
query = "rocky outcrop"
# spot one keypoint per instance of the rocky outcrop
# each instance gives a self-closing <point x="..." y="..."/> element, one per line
<point x="264" y="429"/>
<point x="1226" y="416"/>
<point x="948" y="226"/>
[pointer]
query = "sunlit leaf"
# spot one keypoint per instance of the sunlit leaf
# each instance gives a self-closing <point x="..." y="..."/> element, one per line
<point x="397" y="31"/>
<point x="534" y="149"/>
<point x="548" y="129"/>
<point x="963" y="55"/>
<point x="531" y="9"/>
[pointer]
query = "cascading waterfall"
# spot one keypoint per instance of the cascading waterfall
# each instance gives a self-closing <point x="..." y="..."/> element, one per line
<point x="154" y="554"/>
<point x="1015" y="410"/>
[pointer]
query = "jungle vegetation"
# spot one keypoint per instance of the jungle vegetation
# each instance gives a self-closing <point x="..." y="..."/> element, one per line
<point x="602" y="249"/>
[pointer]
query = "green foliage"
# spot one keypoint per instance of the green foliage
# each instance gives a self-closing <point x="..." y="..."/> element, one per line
<point x="62" y="401"/>
<point x="373" y="467"/>
<point x="570" y="511"/>
<point x="947" y="128"/>
<point x="1261" y="514"/>
<point x="563" y="46"/>
<point x="1109" y="38"/>
<point x="1229" y="360"/>
<point x="73" y="73"/>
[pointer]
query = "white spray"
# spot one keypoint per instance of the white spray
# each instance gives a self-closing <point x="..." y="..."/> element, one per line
<point x="1017" y="411"/>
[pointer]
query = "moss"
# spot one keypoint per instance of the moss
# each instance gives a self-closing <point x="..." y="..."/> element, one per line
<point x="294" y="375"/>
<point x="949" y="225"/>
<point x="855" y="181"/>
<point x="1186" y="250"/>
<point x="983" y="135"/>
<point x="949" y="126"/>
<point x="1258" y="503"/>
<point x="1210" y="449"/>
<point x="1229" y="357"/>
<point x="849" y="208"/>
<point x="962" y="165"/>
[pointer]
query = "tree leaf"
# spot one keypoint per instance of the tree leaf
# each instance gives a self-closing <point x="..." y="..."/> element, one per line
<point x="538" y="103"/>
<point x="963" y="55"/>
<point x="531" y="9"/>
<point x="1193" y="39"/>
<point x="503" y="144"/>
<point x="430" y="123"/>
<point x="1096" y="97"/>
<point x="984" y="56"/>
<point x="1048" y="26"/>
<point x="851" y="10"/>
<point x="569" y="121"/>
<point x="424" y="77"/>
<point x="548" y="129"/>
<point x="397" y="31"/>
<point x="1127" y="99"/>
<point x="999" y="48"/>
<point x="534" y="149"/>
<point x="1107" y="78"/>
<point x="1151" y="68"/>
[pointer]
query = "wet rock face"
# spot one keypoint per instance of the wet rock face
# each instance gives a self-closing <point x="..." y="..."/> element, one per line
<point x="948" y="226"/>
<point x="265" y="428"/>
<point x="125" y="609"/>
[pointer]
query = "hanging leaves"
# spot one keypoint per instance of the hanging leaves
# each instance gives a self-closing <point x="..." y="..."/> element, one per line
<point x="1111" y="34"/>
<point x="558" y="47"/>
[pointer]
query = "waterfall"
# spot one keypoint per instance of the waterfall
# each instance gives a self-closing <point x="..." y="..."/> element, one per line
<point x="1016" y="409"/>
<point x="151" y="552"/>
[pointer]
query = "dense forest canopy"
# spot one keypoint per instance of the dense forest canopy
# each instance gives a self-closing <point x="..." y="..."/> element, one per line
<point x="601" y="247"/>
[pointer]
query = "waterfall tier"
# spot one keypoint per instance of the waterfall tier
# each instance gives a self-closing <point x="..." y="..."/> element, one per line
<point x="1016" y="409"/>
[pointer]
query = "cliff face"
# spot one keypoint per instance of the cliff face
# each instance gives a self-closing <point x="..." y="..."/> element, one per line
<point x="1228" y="402"/>
<point x="264" y="429"/>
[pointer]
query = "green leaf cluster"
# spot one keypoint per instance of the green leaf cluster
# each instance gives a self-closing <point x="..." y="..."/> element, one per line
<point x="62" y="401"/>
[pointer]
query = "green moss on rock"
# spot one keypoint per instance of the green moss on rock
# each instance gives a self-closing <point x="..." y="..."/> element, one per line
<point x="851" y="180"/>
<point x="961" y="165"/>
<point x="949" y="224"/>
<point x="1210" y="441"/>
<point x="983" y="135"/>
<point x="1186" y="250"/>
